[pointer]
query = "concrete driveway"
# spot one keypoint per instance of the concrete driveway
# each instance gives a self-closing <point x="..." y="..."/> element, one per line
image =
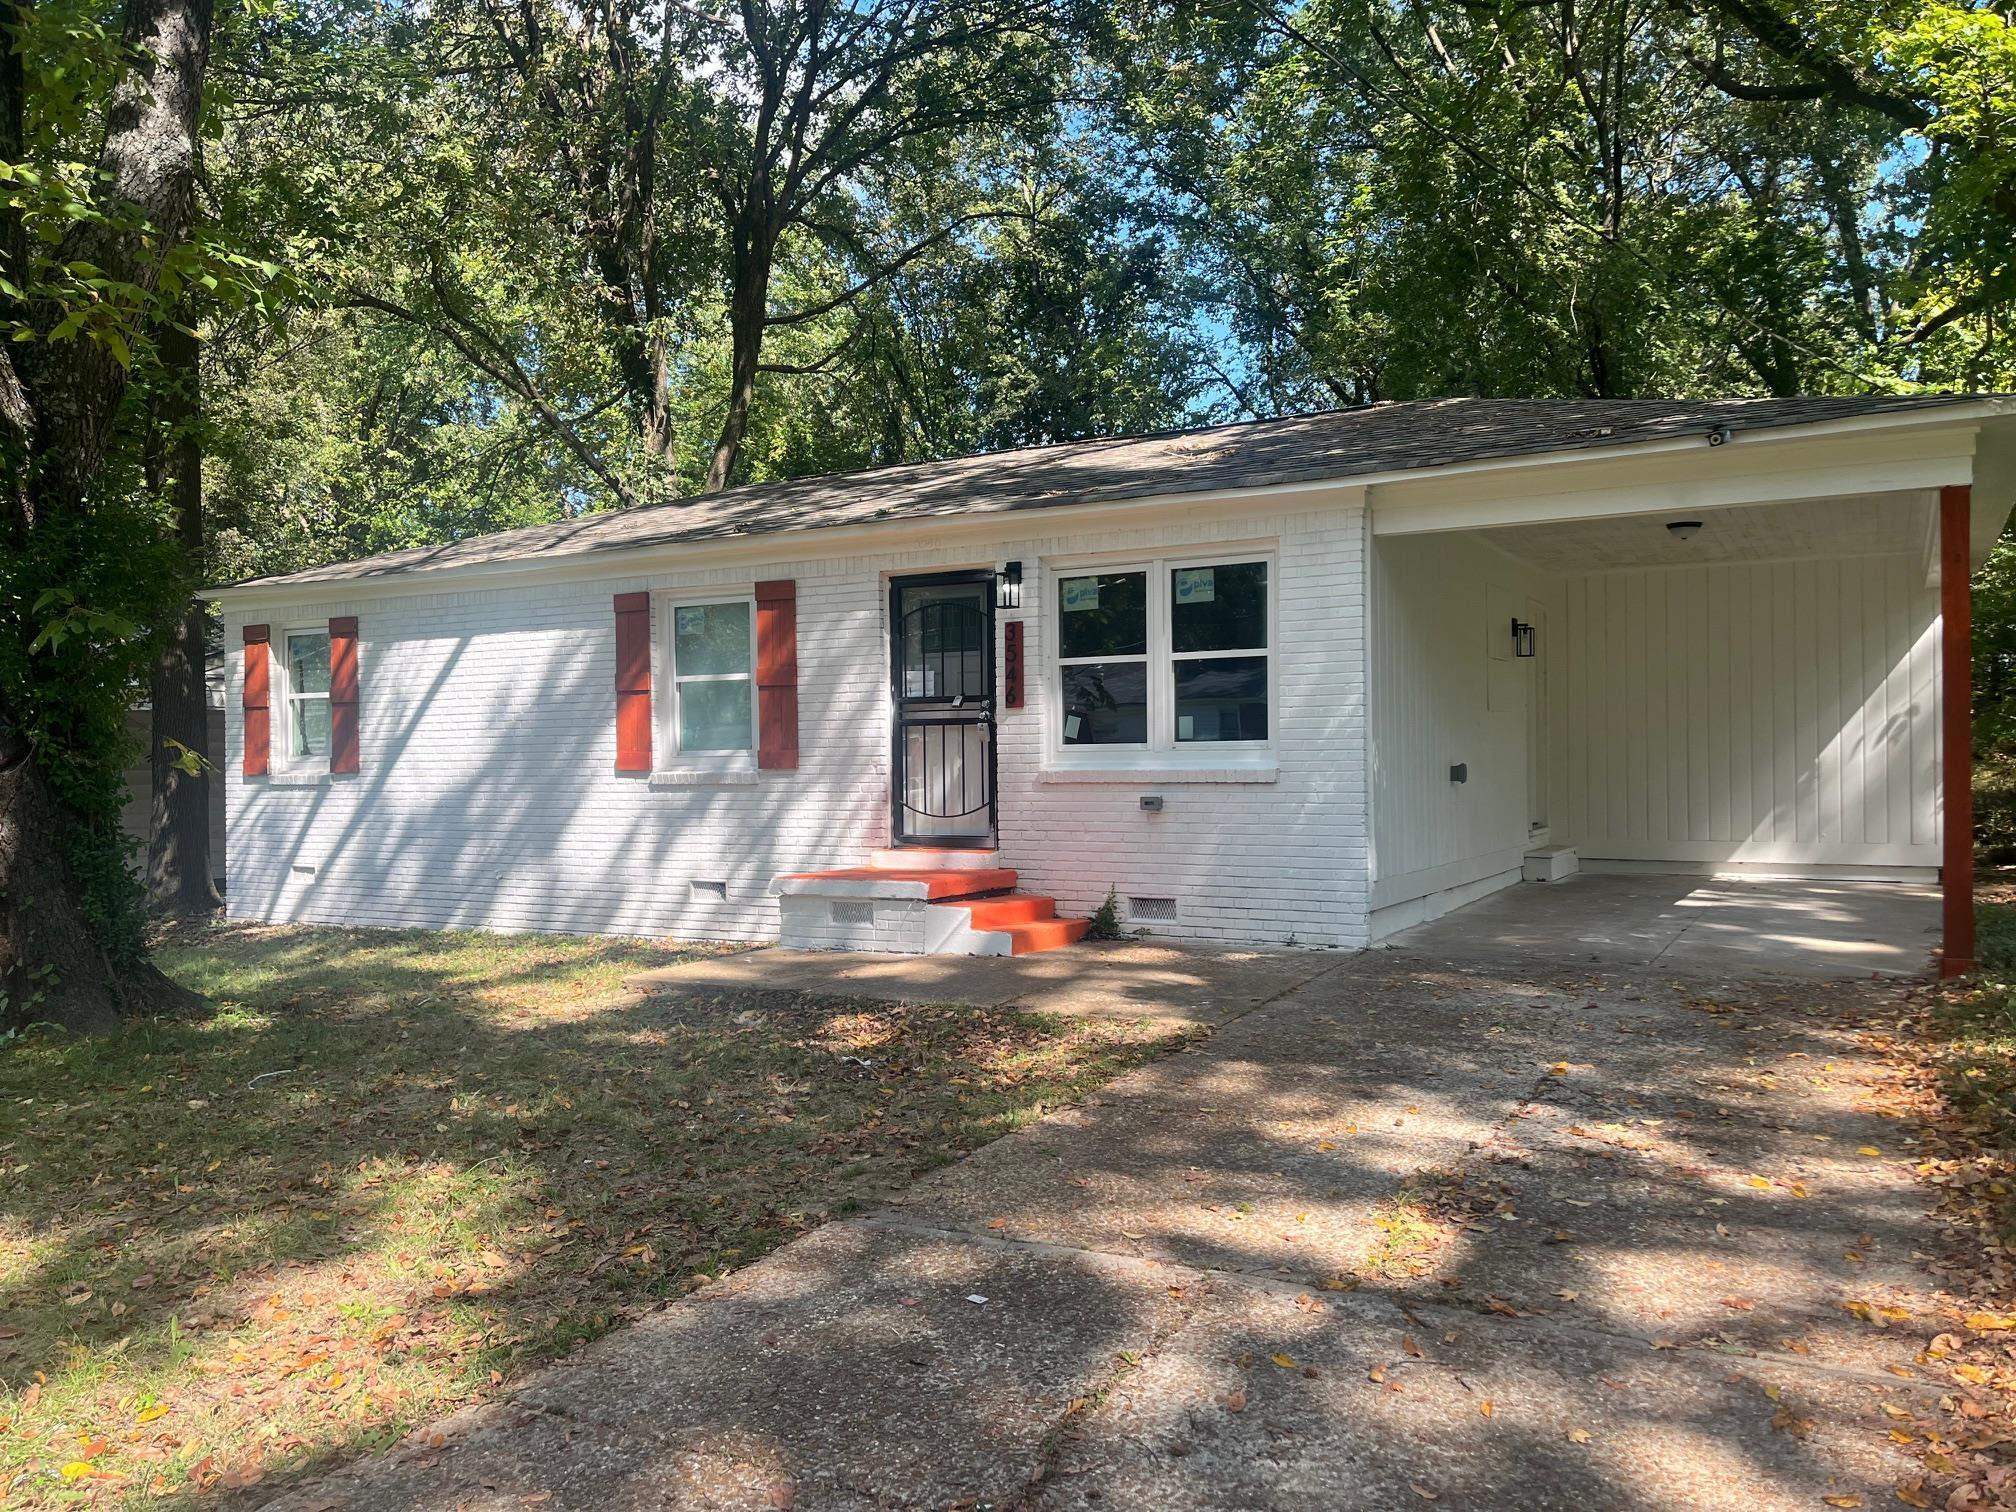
<point x="1456" y="1222"/>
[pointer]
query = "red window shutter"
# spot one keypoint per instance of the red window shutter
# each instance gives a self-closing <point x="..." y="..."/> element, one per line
<point x="343" y="693"/>
<point x="633" y="682"/>
<point x="258" y="699"/>
<point x="777" y="675"/>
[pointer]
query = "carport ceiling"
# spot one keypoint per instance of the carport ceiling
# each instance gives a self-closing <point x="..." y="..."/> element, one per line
<point x="1855" y="526"/>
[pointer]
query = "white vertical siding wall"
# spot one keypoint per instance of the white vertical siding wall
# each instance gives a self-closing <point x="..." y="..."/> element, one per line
<point x="1779" y="713"/>
<point x="488" y="796"/>
<point x="1441" y="605"/>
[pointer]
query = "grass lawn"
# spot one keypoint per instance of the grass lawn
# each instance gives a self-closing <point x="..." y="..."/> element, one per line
<point x="393" y="1171"/>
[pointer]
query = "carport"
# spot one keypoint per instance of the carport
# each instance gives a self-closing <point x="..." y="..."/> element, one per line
<point x="1741" y="656"/>
<point x="1726" y="928"/>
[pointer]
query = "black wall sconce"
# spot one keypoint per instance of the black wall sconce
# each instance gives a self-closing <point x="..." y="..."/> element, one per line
<point x="1522" y="638"/>
<point x="1008" y="592"/>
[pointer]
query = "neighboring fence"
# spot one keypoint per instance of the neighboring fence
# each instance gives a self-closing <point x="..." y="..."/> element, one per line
<point x="140" y="785"/>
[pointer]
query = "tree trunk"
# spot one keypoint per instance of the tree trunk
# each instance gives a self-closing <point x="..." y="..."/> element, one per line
<point x="59" y="419"/>
<point x="52" y="968"/>
<point x="178" y="845"/>
<point x="747" y="311"/>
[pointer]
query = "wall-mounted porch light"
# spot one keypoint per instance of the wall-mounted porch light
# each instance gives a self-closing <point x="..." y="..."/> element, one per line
<point x="1522" y="638"/>
<point x="1008" y="592"/>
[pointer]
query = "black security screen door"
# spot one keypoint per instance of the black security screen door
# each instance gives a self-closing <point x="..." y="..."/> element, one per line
<point x="941" y="632"/>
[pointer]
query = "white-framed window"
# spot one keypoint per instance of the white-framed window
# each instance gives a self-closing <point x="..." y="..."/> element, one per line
<point x="708" y="659"/>
<point x="1173" y="654"/>
<point x="304" y="696"/>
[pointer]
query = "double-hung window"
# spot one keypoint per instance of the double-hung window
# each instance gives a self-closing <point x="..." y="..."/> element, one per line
<point x="1169" y="655"/>
<point x="305" y="692"/>
<point x="713" y="713"/>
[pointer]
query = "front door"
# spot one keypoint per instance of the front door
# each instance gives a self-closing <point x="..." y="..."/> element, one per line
<point x="941" y="632"/>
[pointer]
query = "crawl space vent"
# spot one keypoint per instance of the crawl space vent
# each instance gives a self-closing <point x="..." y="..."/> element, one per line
<point x="1148" y="909"/>
<point x="705" y="889"/>
<point x="845" y="912"/>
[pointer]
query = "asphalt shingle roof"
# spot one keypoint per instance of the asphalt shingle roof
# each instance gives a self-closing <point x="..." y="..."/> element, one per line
<point x="1333" y="444"/>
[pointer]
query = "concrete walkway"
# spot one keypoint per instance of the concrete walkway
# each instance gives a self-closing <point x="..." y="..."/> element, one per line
<point x="1475" y="1228"/>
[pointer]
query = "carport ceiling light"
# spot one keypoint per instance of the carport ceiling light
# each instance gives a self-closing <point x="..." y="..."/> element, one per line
<point x="1684" y="530"/>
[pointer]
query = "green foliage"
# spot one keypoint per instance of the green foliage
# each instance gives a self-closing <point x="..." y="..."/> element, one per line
<point x="89" y="586"/>
<point x="72" y="662"/>
<point x="1106" y="918"/>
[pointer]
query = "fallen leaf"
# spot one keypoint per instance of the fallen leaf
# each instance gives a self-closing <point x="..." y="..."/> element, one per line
<point x="1486" y="1407"/>
<point x="1848" y="1500"/>
<point x="1286" y="1362"/>
<point x="1991" y="1322"/>
<point x="1578" y="1435"/>
<point x="1785" y="1420"/>
<point x="1236" y="1402"/>
<point x="1409" y="1347"/>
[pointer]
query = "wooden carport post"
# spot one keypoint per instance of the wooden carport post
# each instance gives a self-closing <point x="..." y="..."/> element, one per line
<point x="1956" y="655"/>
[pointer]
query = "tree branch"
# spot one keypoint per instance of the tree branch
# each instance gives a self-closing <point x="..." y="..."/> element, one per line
<point x="889" y="269"/>
<point x="504" y="369"/>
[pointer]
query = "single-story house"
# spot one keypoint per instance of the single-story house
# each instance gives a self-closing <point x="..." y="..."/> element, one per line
<point x="1301" y="680"/>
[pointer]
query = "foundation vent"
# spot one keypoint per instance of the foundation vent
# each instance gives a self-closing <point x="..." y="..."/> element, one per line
<point x="710" y="891"/>
<point x="848" y="911"/>
<point x="1151" y="910"/>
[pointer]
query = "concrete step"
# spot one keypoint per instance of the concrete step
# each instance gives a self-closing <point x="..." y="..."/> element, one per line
<point x="1014" y="908"/>
<point x="1018" y="924"/>
<point x="933" y="883"/>
<point x="1045" y="934"/>
<point x="929" y="858"/>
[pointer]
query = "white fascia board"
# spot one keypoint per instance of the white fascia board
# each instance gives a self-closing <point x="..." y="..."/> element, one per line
<point x="1770" y="469"/>
<point x="1003" y="527"/>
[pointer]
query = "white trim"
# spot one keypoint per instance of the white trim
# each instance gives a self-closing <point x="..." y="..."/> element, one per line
<point x="678" y="767"/>
<point x="1162" y="752"/>
<point x="1783" y="471"/>
<point x="284" y="761"/>
<point x="684" y="776"/>
<point x="1161" y="773"/>
<point x="1026" y="520"/>
<point x="296" y="777"/>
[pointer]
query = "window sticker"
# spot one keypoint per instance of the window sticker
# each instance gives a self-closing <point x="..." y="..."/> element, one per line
<point x="691" y="620"/>
<point x="1080" y="594"/>
<point x="1186" y="727"/>
<point x="1071" y="726"/>
<point x="1196" y="585"/>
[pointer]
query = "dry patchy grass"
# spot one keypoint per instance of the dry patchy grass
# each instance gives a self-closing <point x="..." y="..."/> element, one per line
<point x="392" y="1171"/>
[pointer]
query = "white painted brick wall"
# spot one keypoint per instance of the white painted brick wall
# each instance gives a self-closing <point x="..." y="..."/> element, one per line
<point x="488" y="796"/>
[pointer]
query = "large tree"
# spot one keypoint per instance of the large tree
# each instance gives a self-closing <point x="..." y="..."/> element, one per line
<point x="86" y="252"/>
<point x="1392" y="198"/>
<point x="707" y="155"/>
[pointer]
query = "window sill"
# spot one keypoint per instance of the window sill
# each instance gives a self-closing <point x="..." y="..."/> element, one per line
<point x="692" y="777"/>
<point x="301" y="777"/>
<point x="1163" y="772"/>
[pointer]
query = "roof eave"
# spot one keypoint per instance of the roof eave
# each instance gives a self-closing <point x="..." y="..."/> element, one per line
<point x="644" y="555"/>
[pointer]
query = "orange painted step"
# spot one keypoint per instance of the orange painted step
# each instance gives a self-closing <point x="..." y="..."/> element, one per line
<point x="1045" y="934"/>
<point x="939" y="885"/>
<point x="1016" y="908"/>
